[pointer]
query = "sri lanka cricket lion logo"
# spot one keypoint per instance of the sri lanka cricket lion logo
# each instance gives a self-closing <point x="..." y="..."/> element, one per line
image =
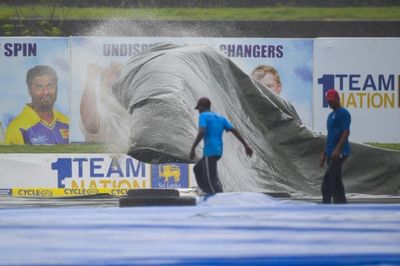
<point x="168" y="170"/>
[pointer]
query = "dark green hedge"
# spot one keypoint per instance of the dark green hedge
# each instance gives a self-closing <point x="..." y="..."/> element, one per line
<point x="171" y="28"/>
<point x="210" y="3"/>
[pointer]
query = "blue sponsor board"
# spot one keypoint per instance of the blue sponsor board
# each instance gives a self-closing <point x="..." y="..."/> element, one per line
<point x="170" y="175"/>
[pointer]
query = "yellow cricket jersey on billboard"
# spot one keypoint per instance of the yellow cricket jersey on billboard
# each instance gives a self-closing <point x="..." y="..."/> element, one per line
<point x="28" y="128"/>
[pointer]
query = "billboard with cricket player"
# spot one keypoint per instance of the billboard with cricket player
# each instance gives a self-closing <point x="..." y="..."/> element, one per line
<point x="35" y="94"/>
<point x="366" y="73"/>
<point x="282" y="65"/>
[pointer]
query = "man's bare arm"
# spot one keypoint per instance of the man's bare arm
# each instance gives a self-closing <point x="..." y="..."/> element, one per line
<point x="89" y="110"/>
<point x="237" y="134"/>
<point x="339" y="147"/>
<point x="197" y="140"/>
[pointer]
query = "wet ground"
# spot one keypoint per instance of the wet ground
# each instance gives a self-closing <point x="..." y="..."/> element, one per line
<point x="223" y="229"/>
<point x="105" y="200"/>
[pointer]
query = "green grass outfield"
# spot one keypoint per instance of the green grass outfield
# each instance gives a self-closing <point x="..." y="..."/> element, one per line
<point x="59" y="148"/>
<point x="390" y="146"/>
<point x="262" y="13"/>
<point x="101" y="148"/>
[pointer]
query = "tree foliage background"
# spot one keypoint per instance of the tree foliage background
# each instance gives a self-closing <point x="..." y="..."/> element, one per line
<point x="23" y="24"/>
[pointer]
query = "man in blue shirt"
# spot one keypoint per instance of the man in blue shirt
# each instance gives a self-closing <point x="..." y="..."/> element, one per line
<point x="337" y="149"/>
<point x="211" y="129"/>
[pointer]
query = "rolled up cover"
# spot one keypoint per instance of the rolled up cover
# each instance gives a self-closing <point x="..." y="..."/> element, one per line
<point x="160" y="88"/>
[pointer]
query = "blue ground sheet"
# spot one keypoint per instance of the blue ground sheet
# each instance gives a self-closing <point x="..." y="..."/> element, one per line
<point x="224" y="229"/>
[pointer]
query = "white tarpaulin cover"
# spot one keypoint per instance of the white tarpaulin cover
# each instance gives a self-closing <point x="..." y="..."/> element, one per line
<point x="160" y="88"/>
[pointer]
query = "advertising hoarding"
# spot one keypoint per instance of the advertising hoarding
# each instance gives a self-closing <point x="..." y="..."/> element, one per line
<point x="366" y="73"/>
<point x="85" y="174"/>
<point x="17" y="56"/>
<point x="97" y="61"/>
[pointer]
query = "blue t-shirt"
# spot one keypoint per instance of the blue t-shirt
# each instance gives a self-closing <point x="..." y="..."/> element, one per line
<point x="337" y="122"/>
<point x="214" y="125"/>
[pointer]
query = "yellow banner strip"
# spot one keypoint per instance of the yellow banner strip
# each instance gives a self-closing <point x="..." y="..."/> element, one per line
<point x="66" y="192"/>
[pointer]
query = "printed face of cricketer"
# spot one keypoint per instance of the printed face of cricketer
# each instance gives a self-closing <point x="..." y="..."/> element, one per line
<point x="269" y="80"/>
<point x="43" y="91"/>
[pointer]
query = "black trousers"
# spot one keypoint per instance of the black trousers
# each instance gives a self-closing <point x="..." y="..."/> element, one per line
<point x="206" y="174"/>
<point x="332" y="185"/>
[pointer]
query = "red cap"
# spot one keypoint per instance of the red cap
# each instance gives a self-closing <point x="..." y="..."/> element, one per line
<point x="204" y="102"/>
<point x="331" y="95"/>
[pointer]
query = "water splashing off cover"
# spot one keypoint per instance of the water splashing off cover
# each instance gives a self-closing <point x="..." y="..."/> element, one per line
<point x="160" y="88"/>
